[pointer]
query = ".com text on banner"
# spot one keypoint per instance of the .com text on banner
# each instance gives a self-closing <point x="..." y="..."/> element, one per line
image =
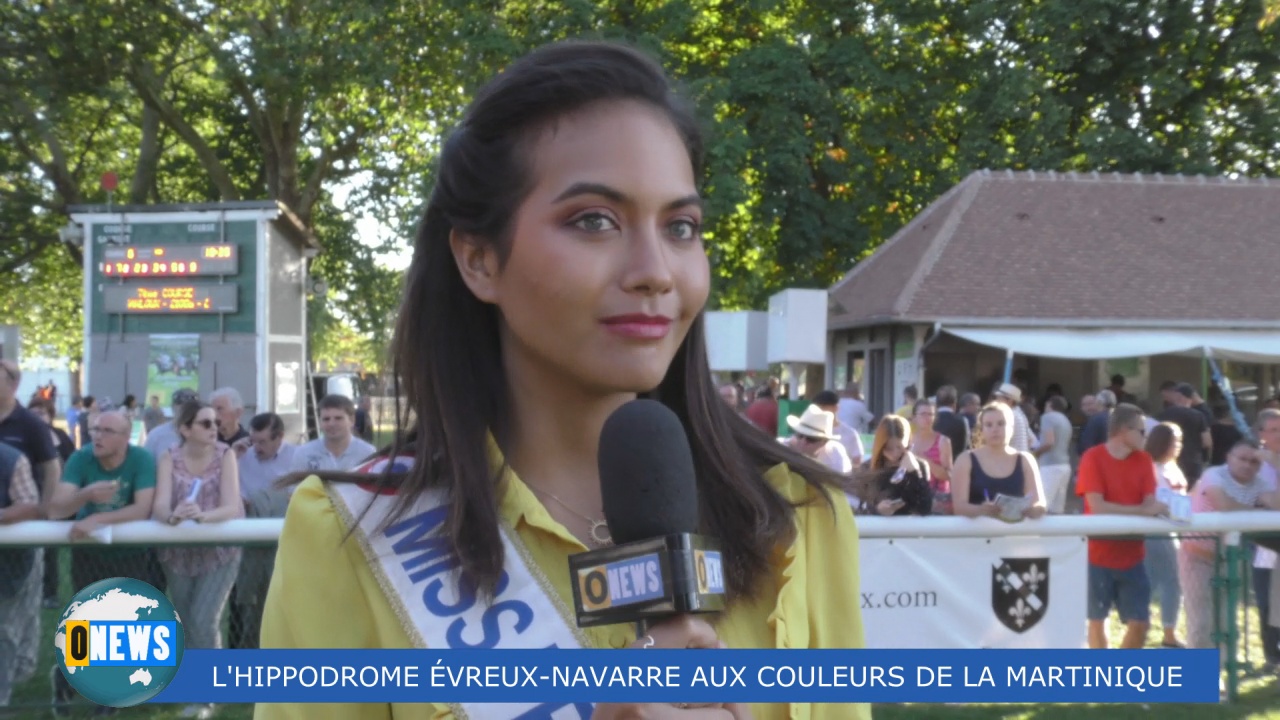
<point x="1001" y="592"/>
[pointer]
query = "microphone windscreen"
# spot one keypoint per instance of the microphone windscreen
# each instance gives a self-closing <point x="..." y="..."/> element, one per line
<point x="647" y="478"/>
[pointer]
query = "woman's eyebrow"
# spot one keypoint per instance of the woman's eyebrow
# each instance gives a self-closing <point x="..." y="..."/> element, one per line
<point x="616" y="195"/>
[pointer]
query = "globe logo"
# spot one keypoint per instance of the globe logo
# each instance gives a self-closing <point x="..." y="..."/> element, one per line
<point x="119" y="642"/>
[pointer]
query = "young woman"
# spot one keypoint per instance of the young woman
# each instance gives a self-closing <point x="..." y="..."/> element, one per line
<point x="933" y="448"/>
<point x="1164" y="442"/>
<point x="994" y="469"/>
<point x="198" y="481"/>
<point x="559" y="273"/>
<point x="897" y="480"/>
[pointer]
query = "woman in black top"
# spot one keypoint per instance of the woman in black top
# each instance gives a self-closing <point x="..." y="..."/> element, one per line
<point x="995" y="468"/>
<point x="895" y="481"/>
<point x="1224" y="434"/>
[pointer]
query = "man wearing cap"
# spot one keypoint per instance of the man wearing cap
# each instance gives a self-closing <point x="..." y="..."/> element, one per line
<point x="813" y="434"/>
<point x="1009" y="394"/>
<point x="165" y="437"/>
<point x="1197" y="442"/>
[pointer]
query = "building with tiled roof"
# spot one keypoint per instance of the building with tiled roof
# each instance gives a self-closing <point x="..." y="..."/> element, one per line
<point x="1078" y="275"/>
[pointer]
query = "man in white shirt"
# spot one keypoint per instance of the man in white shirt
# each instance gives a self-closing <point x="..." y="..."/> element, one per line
<point x="828" y="401"/>
<point x="264" y="458"/>
<point x="1053" y="453"/>
<point x="165" y="437"/>
<point x="264" y="455"/>
<point x="852" y="409"/>
<point x="813" y="434"/>
<point x="1264" y="560"/>
<point x="337" y="448"/>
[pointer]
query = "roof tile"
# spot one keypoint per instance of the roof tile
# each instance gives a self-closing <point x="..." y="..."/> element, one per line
<point x="1059" y="246"/>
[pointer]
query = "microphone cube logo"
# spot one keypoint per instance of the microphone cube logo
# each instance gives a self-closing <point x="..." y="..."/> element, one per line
<point x="710" y="572"/>
<point x="119" y="642"/>
<point x="623" y="582"/>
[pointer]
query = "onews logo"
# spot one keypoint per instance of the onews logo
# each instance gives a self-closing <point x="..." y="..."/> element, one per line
<point x="622" y="582"/>
<point x="119" y="642"/>
<point x="98" y="643"/>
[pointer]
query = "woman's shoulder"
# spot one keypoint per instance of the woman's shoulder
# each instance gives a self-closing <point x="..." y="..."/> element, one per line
<point x="818" y="571"/>
<point x="792" y="485"/>
<point x="813" y="503"/>
<point x="312" y="515"/>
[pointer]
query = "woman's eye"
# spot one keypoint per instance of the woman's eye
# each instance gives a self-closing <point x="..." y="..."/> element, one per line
<point x="684" y="230"/>
<point x="594" y="222"/>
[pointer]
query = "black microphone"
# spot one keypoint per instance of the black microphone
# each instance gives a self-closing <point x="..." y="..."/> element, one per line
<point x="658" y="566"/>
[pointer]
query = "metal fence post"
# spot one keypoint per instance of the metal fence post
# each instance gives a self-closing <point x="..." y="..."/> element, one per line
<point x="1233" y="560"/>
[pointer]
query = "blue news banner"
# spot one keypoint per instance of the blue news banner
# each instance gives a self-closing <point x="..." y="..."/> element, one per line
<point x="671" y="676"/>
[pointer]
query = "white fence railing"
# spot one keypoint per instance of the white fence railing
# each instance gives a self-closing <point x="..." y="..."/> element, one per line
<point x="233" y="532"/>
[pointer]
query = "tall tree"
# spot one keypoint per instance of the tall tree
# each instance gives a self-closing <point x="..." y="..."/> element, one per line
<point x="830" y="124"/>
<point x="192" y="101"/>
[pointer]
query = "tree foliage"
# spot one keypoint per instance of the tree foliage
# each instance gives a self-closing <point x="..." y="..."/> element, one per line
<point x="830" y="124"/>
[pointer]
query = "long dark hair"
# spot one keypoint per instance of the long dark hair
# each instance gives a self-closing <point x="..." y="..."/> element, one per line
<point x="446" y="355"/>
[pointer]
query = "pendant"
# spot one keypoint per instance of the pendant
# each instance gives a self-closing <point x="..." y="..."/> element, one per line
<point x="600" y="536"/>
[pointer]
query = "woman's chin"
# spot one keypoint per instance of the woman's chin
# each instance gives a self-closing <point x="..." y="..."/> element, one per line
<point x="624" y="379"/>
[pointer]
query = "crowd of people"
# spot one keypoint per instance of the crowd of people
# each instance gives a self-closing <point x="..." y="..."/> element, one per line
<point x="197" y="464"/>
<point x="1015" y="459"/>
<point x="945" y="454"/>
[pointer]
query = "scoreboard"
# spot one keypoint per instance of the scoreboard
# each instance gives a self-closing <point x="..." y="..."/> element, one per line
<point x="162" y="298"/>
<point x="135" y="261"/>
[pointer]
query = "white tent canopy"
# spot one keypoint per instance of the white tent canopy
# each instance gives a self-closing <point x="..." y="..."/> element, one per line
<point x="1259" y="346"/>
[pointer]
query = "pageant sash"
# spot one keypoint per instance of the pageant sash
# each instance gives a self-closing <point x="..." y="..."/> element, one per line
<point x="417" y="570"/>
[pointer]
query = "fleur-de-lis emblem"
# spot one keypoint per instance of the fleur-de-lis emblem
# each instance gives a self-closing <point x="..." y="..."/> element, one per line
<point x="1019" y="612"/>
<point x="1020" y="592"/>
<point x="1033" y="577"/>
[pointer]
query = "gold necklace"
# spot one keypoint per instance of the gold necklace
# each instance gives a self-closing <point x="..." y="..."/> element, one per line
<point x="599" y="532"/>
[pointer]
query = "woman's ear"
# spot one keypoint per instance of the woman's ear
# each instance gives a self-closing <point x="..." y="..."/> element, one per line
<point x="477" y="263"/>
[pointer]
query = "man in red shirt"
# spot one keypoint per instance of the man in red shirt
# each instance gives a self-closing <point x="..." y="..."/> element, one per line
<point x="1118" y="478"/>
<point x="763" y="412"/>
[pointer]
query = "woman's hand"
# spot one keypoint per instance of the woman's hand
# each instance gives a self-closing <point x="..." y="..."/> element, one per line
<point x="184" y="511"/>
<point x="679" y="633"/>
<point x="889" y="507"/>
<point x="908" y="462"/>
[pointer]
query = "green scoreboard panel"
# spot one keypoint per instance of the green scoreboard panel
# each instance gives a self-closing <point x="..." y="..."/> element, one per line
<point x="174" y="277"/>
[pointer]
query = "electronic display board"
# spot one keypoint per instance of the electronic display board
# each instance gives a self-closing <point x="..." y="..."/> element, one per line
<point x="170" y="260"/>
<point x="170" y="298"/>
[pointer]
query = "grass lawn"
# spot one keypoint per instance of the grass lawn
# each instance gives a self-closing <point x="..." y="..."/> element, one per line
<point x="382" y="435"/>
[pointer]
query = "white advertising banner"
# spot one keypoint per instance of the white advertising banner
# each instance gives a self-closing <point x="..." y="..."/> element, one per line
<point x="1009" y="592"/>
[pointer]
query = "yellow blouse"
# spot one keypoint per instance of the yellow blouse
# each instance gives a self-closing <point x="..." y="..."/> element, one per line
<point x="323" y="594"/>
